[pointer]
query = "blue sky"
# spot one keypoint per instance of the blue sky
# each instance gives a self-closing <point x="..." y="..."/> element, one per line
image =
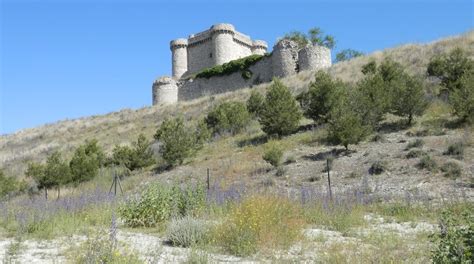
<point x="68" y="59"/>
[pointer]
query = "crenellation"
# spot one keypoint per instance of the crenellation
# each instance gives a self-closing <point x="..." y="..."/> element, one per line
<point x="220" y="44"/>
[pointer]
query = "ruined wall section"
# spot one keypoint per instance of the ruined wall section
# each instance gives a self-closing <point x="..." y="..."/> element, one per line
<point x="314" y="58"/>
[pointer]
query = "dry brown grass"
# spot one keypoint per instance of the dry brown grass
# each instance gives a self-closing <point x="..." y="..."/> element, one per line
<point x="121" y="127"/>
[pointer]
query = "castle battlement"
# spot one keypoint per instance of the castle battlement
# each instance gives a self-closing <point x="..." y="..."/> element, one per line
<point x="219" y="44"/>
<point x="222" y="43"/>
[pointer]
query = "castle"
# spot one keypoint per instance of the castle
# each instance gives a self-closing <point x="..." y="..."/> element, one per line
<point x="221" y="44"/>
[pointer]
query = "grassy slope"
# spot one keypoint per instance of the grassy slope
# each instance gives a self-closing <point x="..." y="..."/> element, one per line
<point x="123" y="126"/>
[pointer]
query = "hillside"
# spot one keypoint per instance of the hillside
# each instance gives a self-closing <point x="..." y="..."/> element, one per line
<point x="388" y="193"/>
<point x="122" y="126"/>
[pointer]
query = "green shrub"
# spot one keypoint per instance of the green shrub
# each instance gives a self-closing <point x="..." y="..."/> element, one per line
<point x="230" y="67"/>
<point x="260" y="222"/>
<point x="378" y="167"/>
<point x="450" y="68"/>
<point x="178" y="141"/>
<point x="417" y="143"/>
<point x="273" y="153"/>
<point x="255" y="103"/>
<point x="228" y="117"/>
<point x="322" y="96"/>
<point x="159" y="203"/>
<point x="140" y="155"/>
<point x="462" y="99"/>
<point x="451" y="170"/>
<point x="428" y="163"/>
<point x="454" y="241"/>
<point x="281" y="114"/>
<point x="187" y="231"/>
<point x="408" y="97"/>
<point x="345" y="126"/>
<point x="456" y="150"/>
<point x="84" y="166"/>
<point x="415" y="153"/>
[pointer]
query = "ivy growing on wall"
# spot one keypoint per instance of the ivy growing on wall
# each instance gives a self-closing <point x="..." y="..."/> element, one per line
<point x="230" y="67"/>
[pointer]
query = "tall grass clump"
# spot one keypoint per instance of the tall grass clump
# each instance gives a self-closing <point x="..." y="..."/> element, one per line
<point x="159" y="203"/>
<point x="260" y="222"/>
<point x="335" y="216"/>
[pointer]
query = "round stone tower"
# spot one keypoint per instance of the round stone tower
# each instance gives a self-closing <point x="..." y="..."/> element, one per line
<point x="314" y="57"/>
<point x="285" y="58"/>
<point x="223" y="40"/>
<point x="259" y="47"/>
<point x="179" y="50"/>
<point x="165" y="91"/>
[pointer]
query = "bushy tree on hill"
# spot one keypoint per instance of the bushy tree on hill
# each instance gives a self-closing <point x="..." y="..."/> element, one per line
<point x="315" y="36"/>
<point x="9" y="185"/>
<point x="456" y="71"/>
<point x="178" y="141"/>
<point x="321" y="97"/>
<point x="136" y="157"/>
<point x="228" y="117"/>
<point x="347" y="54"/>
<point x="451" y="68"/>
<point x="462" y="99"/>
<point x="387" y="88"/>
<point x="54" y="173"/>
<point x="281" y="114"/>
<point x="86" y="161"/>
<point x="345" y="125"/>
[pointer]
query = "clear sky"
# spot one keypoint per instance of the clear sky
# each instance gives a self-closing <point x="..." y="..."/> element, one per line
<point x="73" y="58"/>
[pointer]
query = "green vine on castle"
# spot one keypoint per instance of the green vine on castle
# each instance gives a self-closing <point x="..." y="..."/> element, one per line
<point x="242" y="65"/>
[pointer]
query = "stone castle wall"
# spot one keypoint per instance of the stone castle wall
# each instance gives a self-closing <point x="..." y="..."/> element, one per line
<point x="217" y="45"/>
<point x="220" y="44"/>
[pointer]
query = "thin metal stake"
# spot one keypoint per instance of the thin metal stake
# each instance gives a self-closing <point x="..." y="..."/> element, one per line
<point x="329" y="179"/>
<point x="208" y="179"/>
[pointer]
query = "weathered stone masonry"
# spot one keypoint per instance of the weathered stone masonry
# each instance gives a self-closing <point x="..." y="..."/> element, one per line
<point x="221" y="44"/>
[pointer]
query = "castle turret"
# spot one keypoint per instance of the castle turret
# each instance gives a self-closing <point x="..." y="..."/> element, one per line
<point x="223" y="39"/>
<point x="165" y="91"/>
<point x="259" y="47"/>
<point x="314" y="57"/>
<point x="285" y="58"/>
<point x="179" y="50"/>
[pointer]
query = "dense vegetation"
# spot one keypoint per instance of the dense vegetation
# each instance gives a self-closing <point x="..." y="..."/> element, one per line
<point x="315" y="36"/>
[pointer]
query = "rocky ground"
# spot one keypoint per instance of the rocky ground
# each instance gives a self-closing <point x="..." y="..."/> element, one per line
<point x="154" y="249"/>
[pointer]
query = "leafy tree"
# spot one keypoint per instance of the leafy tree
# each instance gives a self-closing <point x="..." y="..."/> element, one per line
<point x="57" y="171"/>
<point x="178" y="141"/>
<point x="408" y="97"/>
<point x="347" y="54"/>
<point x="462" y="99"/>
<point x="321" y="96"/>
<point x="84" y="166"/>
<point x="142" y="153"/>
<point x="371" y="100"/>
<point x="228" y="117"/>
<point x="136" y="157"/>
<point x="92" y="148"/>
<point x="281" y="113"/>
<point x="451" y="68"/>
<point x="345" y="125"/>
<point x="315" y="36"/>
<point x="255" y="103"/>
